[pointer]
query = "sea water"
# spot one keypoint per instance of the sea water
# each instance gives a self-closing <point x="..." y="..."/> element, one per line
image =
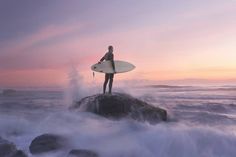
<point x="201" y="123"/>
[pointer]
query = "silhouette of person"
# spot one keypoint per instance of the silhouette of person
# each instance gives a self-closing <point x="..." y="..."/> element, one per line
<point x="109" y="56"/>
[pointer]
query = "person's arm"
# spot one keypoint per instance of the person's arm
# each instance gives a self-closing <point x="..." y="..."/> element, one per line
<point x="102" y="59"/>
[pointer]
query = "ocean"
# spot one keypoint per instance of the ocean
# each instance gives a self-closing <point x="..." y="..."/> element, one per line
<point x="201" y="123"/>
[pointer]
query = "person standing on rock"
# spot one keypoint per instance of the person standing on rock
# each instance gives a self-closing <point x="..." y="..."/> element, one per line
<point x="109" y="56"/>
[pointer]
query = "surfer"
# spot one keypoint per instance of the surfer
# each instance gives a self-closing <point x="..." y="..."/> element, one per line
<point x="109" y="56"/>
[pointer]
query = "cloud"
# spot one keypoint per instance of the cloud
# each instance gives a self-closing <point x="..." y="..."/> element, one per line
<point x="40" y="49"/>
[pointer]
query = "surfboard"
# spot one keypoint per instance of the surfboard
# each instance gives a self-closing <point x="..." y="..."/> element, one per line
<point x="106" y="67"/>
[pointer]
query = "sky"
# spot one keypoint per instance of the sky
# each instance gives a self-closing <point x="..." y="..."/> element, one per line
<point x="40" y="41"/>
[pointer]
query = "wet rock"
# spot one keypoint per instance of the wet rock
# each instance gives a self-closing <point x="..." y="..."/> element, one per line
<point x="82" y="153"/>
<point x="119" y="105"/>
<point x="46" y="143"/>
<point x="8" y="149"/>
<point x="19" y="153"/>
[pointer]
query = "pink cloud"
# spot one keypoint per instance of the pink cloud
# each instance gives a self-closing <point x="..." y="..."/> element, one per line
<point x="49" y="32"/>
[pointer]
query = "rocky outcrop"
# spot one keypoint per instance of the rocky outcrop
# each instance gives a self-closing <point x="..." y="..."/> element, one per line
<point x="119" y="105"/>
<point x="82" y="153"/>
<point x="8" y="149"/>
<point x="46" y="143"/>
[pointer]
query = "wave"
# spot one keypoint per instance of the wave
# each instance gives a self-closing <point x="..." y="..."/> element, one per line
<point x="121" y="138"/>
<point x="201" y="124"/>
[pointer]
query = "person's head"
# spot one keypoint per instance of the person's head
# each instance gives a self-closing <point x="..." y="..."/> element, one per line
<point x="110" y="48"/>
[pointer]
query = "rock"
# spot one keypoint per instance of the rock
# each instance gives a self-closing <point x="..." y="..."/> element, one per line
<point x="8" y="149"/>
<point x="119" y="105"/>
<point x="46" y="143"/>
<point x="82" y="153"/>
<point x="19" y="153"/>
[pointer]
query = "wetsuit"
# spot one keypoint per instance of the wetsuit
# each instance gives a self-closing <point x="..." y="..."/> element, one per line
<point x="108" y="77"/>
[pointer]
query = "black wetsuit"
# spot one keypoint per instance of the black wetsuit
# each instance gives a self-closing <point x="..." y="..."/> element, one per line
<point x="108" y="77"/>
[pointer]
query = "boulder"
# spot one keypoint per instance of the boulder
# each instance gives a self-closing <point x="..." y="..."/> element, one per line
<point x="82" y="153"/>
<point x="19" y="153"/>
<point x="46" y="143"/>
<point x="8" y="149"/>
<point x="119" y="105"/>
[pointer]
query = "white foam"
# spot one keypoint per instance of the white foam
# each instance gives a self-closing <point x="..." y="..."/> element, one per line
<point x="127" y="138"/>
<point x="121" y="138"/>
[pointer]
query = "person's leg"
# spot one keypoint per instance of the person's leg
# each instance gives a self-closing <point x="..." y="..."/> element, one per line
<point x="110" y="82"/>
<point x="105" y="83"/>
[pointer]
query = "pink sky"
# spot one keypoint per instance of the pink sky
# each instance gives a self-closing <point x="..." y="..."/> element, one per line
<point x="166" y="41"/>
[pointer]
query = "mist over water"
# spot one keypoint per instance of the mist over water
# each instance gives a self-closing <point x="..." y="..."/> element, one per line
<point x="201" y="123"/>
<point x="77" y="89"/>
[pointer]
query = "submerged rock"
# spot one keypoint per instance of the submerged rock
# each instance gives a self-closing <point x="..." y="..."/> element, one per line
<point x="46" y="143"/>
<point x="119" y="105"/>
<point x="8" y="149"/>
<point x="82" y="153"/>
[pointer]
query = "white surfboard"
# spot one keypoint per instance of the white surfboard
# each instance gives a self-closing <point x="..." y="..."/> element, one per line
<point x="106" y="67"/>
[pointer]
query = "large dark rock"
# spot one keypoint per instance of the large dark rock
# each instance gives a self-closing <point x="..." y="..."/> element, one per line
<point x="46" y="143"/>
<point x="118" y="105"/>
<point x="8" y="149"/>
<point x="82" y="153"/>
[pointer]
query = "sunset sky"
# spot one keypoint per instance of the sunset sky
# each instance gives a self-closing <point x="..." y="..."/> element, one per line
<point x="165" y="39"/>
